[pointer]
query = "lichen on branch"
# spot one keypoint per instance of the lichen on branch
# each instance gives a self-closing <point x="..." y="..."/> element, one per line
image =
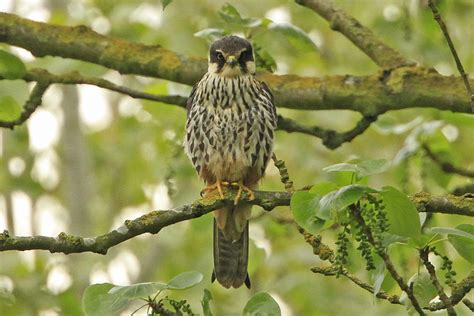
<point x="154" y="221"/>
<point x="404" y="87"/>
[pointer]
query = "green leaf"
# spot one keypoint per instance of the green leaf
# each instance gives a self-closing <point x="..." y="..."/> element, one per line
<point x="464" y="245"/>
<point x="303" y="204"/>
<point x="137" y="290"/>
<point x="10" y="110"/>
<point x="341" y="167"/>
<point x="371" y="167"/>
<point x="295" y="36"/>
<point x="185" y="280"/>
<point x="230" y="15"/>
<point x="323" y="188"/>
<point x="388" y="124"/>
<point x="262" y="304"/>
<point x="362" y="168"/>
<point x="210" y="34"/>
<point x="263" y="58"/>
<point x="165" y="3"/>
<point x="378" y="276"/>
<point x="423" y="289"/>
<point x="336" y="201"/>
<point x="401" y="213"/>
<point x="11" y="67"/>
<point x="458" y="119"/>
<point x="97" y="301"/>
<point x="452" y="231"/>
<point x="206" y="308"/>
<point x="388" y="239"/>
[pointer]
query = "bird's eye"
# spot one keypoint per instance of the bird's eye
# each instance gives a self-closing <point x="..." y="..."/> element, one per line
<point x="246" y="54"/>
<point x="220" y="56"/>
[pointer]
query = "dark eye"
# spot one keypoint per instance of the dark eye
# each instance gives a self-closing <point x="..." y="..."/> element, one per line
<point x="245" y="55"/>
<point x="220" y="56"/>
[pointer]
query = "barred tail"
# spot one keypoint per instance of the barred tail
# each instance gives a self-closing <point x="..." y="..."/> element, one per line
<point x="231" y="256"/>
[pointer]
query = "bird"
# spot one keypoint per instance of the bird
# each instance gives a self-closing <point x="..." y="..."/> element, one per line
<point x="229" y="137"/>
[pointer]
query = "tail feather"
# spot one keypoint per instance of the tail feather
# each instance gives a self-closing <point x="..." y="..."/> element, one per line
<point x="231" y="258"/>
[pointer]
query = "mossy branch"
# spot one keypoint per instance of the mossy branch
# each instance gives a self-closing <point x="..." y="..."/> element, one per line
<point x="404" y="87"/>
<point x="154" y="221"/>
<point x="151" y="223"/>
<point x="383" y="55"/>
<point x="449" y="204"/>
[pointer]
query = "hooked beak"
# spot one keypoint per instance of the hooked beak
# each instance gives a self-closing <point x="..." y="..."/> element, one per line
<point x="232" y="61"/>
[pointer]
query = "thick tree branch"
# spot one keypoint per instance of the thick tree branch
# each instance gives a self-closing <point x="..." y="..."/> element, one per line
<point x="401" y="88"/>
<point x="383" y="55"/>
<point x="449" y="204"/>
<point x="81" y="43"/>
<point x="154" y="221"/>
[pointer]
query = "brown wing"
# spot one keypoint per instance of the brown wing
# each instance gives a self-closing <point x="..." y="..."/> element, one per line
<point x="190" y="100"/>
<point x="272" y="99"/>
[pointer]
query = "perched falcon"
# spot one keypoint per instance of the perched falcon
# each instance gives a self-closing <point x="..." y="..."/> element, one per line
<point x="229" y="139"/>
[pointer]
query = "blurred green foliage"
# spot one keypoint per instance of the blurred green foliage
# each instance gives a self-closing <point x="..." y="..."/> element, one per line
<point x="135" y="162"/>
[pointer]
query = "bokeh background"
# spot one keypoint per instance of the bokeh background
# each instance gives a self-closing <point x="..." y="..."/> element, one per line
<point x="89" y="158"/>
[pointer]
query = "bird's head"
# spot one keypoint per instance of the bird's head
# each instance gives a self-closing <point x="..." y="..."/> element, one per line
<point x="231" y="56"/>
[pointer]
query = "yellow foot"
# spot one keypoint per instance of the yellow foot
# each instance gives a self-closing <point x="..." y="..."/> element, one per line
<point x="242" y="188"/>
<point x="218" y="185"/>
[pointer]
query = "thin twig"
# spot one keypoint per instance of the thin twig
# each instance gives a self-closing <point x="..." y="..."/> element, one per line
<point x="330" y="138"/>
<point x="319" y="248"/>
<point x="444" y="29"/>
<point x="325" y="253"/>
<point x="332" y="271"/>
<point x="33" y="102"/>
<point x="284" y="175"/>
<point x="434" y="279"/>
<point x="458" y="292"/>
<point x="75" y="77"/>
<point x="446" y="166"/>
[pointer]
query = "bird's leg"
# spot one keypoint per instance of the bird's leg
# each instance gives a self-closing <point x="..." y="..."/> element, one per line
<point x="242" y="188"/>
<point x="217" y="185"/>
